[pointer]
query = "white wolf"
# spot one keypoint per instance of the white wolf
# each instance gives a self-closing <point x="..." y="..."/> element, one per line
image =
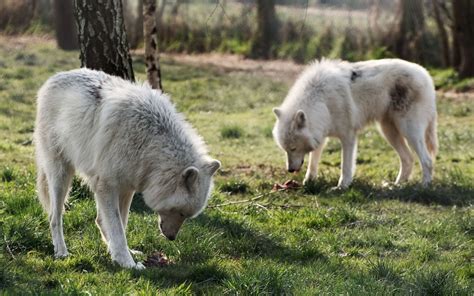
<point x="337" y="99"/>
<point x="122" y="137"/>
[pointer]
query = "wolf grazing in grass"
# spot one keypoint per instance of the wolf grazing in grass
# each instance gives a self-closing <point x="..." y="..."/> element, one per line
<point x="337" y="99"/>
<point x="122" y="137"/>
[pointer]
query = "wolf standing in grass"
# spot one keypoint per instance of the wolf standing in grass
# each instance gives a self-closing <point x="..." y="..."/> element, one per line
<point x="122" y="137"/>
<point x="337" y="99"/>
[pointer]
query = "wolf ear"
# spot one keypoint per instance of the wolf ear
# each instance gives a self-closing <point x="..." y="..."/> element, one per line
<point x="190" y="175"/>
<point x="213" y="166"/>
<point x="300" y="119"/>
<point x="277" y="112"/>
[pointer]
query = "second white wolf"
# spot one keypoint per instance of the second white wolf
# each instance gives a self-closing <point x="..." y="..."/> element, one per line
<point x="122" y="137"/>
<point x="337" y="99"/>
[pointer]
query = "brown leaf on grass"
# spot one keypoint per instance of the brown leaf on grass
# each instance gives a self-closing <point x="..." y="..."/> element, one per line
<point x="289" y="184"/>
<point x="157" y="259"/>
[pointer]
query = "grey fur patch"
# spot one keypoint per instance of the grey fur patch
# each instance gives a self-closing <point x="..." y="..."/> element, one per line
<point x="95" y="92"/>
<point x="355" y="74"/>
<point x="400" y="97"/>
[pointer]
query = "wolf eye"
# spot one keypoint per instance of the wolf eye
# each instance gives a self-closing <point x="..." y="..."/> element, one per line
<point x="292" y="149"/>
<point x="181" y="214"/>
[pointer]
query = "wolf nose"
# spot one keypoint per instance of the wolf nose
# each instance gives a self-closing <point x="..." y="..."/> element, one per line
<point x="171" y="237"/>
<point x="291" y="170"/>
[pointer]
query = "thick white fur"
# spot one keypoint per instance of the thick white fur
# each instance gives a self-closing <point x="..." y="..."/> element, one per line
<point x="121" y="137"/>
<point x="337" y="99"/>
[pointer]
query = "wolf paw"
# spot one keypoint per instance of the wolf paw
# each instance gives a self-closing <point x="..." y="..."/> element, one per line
<point x="135" y="252"/>
<point x="309" y="180"/>
<point x="61" y="254"/>
<point x="338" y="189"/>
<point x="139" y="266"/>
<point x="126" y="261"/>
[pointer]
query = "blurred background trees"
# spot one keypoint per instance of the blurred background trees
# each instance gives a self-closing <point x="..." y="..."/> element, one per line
<point x="408" y="30"/>
<point x="436" y="33"/>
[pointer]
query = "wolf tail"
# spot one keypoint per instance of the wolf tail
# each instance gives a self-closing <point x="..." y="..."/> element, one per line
<point x="431" y="138"/>
<point x="42" y="187"/>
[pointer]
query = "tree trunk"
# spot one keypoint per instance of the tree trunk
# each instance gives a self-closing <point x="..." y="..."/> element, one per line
<point x="443" y="33"/>
<point x="153" y="71"/>
<point x="409" y="29"/>
<point x="267" y="30"/>
<point x="66" y="31"/>
<point x="102" y="37"/>
<point x="456" y="55"/>
<point x="463" y="12"/>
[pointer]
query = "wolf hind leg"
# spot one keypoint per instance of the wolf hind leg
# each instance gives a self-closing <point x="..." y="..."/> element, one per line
<point x="42" y="188"/>
<point x="394" y="138"/>
<point x="59" y="176"/>
<point x="414" y="132"/>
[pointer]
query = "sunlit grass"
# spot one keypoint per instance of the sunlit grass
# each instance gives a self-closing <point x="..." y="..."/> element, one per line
<point x="369" y="240"/>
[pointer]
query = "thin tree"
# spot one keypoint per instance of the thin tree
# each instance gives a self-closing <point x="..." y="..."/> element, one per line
<point x="463" y="14"/>
<point x="153" y="71"/>
<point x="160" y="11"/>
<point x="409" y="29"/>
<point x="267" y="28"/>
<point x="66" y="31"/>
<point x="102" y="38"/>
<point x="442" y="32"/>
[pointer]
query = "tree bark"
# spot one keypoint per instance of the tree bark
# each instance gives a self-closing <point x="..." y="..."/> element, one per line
<point x="66" y="31"/>
<point x="443" y="33"/>
<point x="463" y="13"/>
<point x="153" y="71"/>
<point x="267" y="30"/>
<point x="456" y="51"/>
<point x="409" y="29"/>
<point x="102" y="37"/>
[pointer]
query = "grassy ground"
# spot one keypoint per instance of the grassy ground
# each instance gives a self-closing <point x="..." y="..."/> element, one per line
<point x="368" y="240"/>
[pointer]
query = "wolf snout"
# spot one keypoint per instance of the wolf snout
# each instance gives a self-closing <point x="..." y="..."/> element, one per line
<point x="294" y="169"/>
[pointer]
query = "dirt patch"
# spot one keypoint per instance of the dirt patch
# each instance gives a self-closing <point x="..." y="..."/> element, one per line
<point x="23" y="41"/>
<point x="456" y="96"/>
<point x="280" y="70"/>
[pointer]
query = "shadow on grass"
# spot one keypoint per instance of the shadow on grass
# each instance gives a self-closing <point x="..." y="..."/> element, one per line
<point x="240" y="240"/>
<point x="200" y="275"/>
<point x="459" y="191"/>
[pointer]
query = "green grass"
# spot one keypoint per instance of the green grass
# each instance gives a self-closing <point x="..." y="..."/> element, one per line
<point x="448" y="79"/>
<point x="368" y="240"/>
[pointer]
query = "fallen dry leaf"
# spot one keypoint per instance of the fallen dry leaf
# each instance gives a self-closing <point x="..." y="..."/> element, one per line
<point x="289" y="184"/>
<point x="157" y="259"/>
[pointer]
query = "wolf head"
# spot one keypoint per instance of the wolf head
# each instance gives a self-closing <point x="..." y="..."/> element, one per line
<point x="186" y="199"/>
<point x="293" y="134"/>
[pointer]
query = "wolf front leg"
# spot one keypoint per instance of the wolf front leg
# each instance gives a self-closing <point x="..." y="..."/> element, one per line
<point x="349" y="151"/>
<point x="107" y="199"/>
<point x="313" y="163"/>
